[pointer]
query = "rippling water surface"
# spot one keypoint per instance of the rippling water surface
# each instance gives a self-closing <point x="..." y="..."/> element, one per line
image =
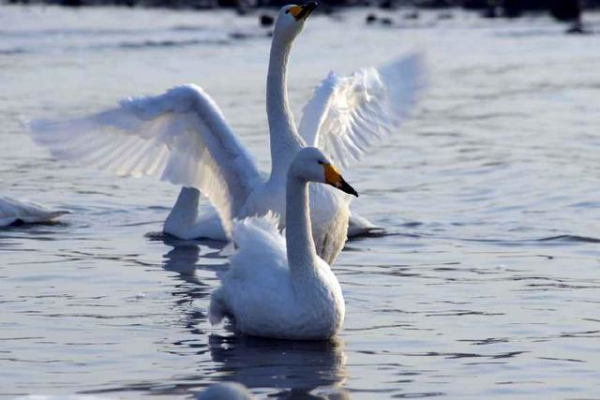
<point x="487" y="286"/>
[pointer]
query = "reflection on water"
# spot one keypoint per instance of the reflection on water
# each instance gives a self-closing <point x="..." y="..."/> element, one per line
<point x="297" y="366"/>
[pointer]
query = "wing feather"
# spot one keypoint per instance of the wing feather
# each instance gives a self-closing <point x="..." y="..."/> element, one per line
<point x="180" y="136"/>
<point x="348" y="115"/>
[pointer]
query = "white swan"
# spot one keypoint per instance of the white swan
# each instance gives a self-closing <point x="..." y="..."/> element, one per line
<point x="280" y="288"/>
<point x="182" y="137"/>
<point x="14" y="211"/>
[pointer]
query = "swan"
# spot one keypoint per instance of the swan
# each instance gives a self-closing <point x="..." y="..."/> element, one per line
<point x="276" y="287"/>
<point x="13" y="211"/>
<point x="182" y="137"/>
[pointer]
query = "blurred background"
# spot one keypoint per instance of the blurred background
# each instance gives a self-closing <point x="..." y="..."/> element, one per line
<point x="562" y="10"/>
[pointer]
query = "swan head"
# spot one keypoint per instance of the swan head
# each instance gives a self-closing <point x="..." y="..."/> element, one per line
<point x="312" y="165"/>
<point x="291" y="18"/>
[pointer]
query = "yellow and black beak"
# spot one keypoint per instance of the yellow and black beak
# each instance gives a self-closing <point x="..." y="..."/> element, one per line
<point x="335" y="179"/>
<point x="301" y="13"/>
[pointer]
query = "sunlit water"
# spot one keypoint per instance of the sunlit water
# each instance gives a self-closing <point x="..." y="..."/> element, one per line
<point x="487" y="286"/>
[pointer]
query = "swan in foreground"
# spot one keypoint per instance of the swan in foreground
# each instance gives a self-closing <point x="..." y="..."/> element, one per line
<point x="280" y="288"/>
<point x="13" y="211"/>
<point x="182" y="137"/>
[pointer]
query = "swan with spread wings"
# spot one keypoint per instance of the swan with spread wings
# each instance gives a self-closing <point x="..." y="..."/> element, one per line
<point x="182" y="137"/>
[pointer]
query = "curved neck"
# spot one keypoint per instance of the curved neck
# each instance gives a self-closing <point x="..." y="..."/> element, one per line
<point x="285" y="141"/>
<point x="301" y="253"/>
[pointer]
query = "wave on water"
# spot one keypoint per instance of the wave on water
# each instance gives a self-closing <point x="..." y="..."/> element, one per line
<point x="570" y="238"/>
<point x="44" y="33"/>
<point x="164" y="43"/>
<point x="13" y="51"/>
<point x="59" y="397"/>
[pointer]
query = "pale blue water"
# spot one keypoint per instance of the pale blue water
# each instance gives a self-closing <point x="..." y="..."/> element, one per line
<point x="488" y="285"/>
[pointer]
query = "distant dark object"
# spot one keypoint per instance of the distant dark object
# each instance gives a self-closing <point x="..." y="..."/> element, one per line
<point x="436" y="3"/>
<point x="512" y="8"/>
<point x="577" y="28"/>
<point x="387" y="4"/>
<point x="266" y="20"/>
<point x="445" y="15"/>
<point x="490" y="12"/>
<point x="372" y="18"/>
<point x="411" y="15"/>
<point x="326" y="8"/>
<point x="228" y="3"/>
<point x="477" y="4"/>
<point x="71" y="3"/>
<point x="565" y="10"/>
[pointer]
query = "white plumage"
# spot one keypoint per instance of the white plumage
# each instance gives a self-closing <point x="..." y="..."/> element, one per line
<point x="182" y="137"/>
<point x="278" y="287"/>
<point x="13" y="211"/>
<point x="348" y="115"/>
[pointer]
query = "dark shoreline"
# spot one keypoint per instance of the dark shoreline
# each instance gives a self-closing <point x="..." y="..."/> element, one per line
<point x="508" y="8"/>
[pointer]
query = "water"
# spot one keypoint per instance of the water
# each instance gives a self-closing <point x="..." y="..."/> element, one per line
<point x="487" y="286"/>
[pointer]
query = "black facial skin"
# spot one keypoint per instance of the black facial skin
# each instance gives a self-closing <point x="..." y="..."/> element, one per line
<point x="346" y="188"/>
<point x="306" y="10"/>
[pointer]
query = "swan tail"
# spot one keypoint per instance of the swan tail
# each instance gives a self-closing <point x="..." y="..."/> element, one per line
<point x="359" y="226"/>
<point x="247" y="231"/>
<point x="256" y="239"/>
<point x="55" y="214"/>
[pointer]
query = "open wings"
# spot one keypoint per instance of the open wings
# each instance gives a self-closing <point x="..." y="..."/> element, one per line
<point x="348" y="115"/>
<point x="180" y="137"/>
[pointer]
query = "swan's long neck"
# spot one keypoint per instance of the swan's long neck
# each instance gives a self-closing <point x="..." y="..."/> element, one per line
<point x="285" y="141"/>
<point x="302" y="256"/>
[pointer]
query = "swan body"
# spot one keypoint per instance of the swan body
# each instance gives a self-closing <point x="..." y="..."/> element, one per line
<point x="280" y="288"/>
<point x="14" y="211"/>
<point x="182" y="137"/>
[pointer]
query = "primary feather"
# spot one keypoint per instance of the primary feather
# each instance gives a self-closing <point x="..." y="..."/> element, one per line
<point x="180" y="136"/>
<point x="348" y="115"/>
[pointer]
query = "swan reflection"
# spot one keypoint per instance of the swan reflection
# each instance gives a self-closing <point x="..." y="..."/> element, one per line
<point x="297" y="367"/>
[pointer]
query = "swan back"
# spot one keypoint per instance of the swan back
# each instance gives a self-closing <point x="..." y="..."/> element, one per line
<point x="13" y="210"/>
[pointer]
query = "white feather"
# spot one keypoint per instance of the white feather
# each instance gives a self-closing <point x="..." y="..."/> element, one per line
<point x="180" y="137"/>
<point x="13" y="210"/>
<point x="348" y="115"/>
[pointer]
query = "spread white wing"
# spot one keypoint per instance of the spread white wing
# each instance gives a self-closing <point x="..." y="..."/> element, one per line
<point x="180" y="136"/>
<point x="348" y="115"/>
